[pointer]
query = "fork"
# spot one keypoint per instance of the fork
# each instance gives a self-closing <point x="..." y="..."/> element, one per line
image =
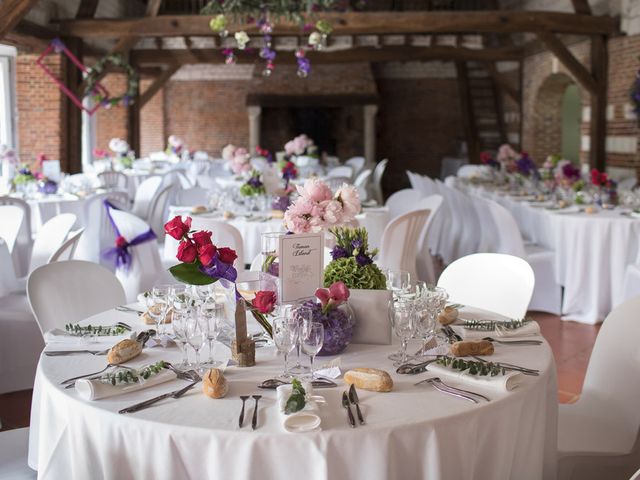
<point x="71" y="352"/>
<point x="514" y="342"/>
<point x="446" y="391"/>
<point x="124" y="308"/>
<point x="188" y="375"/>
<point x="244" y="398"/>
<point x="254" y="420"/>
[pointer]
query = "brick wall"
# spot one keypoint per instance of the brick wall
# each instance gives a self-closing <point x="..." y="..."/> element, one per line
<point x="153" y="137"/>
<point x="112" y="122"/>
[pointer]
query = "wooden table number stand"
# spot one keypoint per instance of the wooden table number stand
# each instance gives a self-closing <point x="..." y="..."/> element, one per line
<point x="243" y="349"/>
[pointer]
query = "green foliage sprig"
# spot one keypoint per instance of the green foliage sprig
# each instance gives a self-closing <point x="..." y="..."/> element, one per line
<point x="243" y="10"/>
<point x="482" y="369"/>
<point x="296" y="401"/>
<point x="118" y="61"/>
<point x="129" y="375"/>
<point x="99" y="330"/>
<point x="490" y="325"/>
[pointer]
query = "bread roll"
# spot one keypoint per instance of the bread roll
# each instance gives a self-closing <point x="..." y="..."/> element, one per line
<point x="214" y="384"/>
<point x="124" y="351"/>
<point x="448" y="315"/>
<point x="227" y="215"/>
<point x="199" y="209"/>
<point x="277" y="214"/>
<point x="369" y="379"/>
<point x="149" y="320"/>
<point x="467" y="347"/>
<point x="591" y="210"/>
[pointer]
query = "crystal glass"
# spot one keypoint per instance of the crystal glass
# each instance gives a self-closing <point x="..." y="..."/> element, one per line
<point x="398" y="281"/>
<point x="178" y="322"/>
<point x="302" y="315"/>
<point x="403" y="321"/>
<point x="269" y="253"/>
<point x="437" y="298"/>
<point x="312" y="339"/>
<point x="159" y="296"/>
<point x="211" y="312"/>
<point x="285" y="336"/>
<point x="196" y="332"/>
<point x="425" y="323"/>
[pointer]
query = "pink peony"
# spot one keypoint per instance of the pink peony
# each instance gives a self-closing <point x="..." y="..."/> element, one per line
<point x="228" y="152"/>
<point x="349" y="197"/>
<point x="506" y="154"/>
<point x="315" y="190"/>
<point x="332" y="212"/>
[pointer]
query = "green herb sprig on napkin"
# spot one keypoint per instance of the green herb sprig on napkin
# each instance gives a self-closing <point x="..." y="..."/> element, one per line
<point x="131" y="375"/>
<point x="296" y="401"/>
<point x="77" y="330"/>
<point x="481" y="369"/>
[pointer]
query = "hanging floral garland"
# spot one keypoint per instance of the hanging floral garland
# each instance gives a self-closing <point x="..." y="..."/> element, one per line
<point x="635" y="94"/>
<point x="118" y="61"/>
<point x="263" y="11"/>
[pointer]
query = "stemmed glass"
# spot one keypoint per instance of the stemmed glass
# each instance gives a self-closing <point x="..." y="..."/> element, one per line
<point x="312" y="339"/>
<point x="425" y="323"/>
<point x="404" y="326"/>
<point x="211" y="313"/>
<point x="178" y="322"/>
<point x="285" y="336"/>
<point x="302" y="315"/>
<point x="196" y="330"/>
<point x="159" y="296"/>
<point x="398" y="281"/>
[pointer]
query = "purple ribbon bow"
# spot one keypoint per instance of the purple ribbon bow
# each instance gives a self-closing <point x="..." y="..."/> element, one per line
<point x="120" y="254"/>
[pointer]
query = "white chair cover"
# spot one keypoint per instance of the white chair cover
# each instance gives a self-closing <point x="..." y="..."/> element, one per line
<point x="357" y="164"/>
<point x="68" y="248"/>
<point x="598" y="435"/>
<point x="362" y="183"/>
<point x="20" y="248"/>
<point x="144" y="196"/>
<point x="402" y="201"/>
<point x="499" y="283"/>
<point x="631" y="285"/>
<point x="159" y="209"/>
<point x="113" y="179"/>
<point x="335" y="183"/>
<point x="344" y="171"/>
<point x="98" y="234"/>
<point x="424" y="261"/>
<point x="376" y="183"/>
<point x="400" y="242"/>
<point x="8" y="281"/>
<point x="50" y="238"/>
<point x="13" y="455"/>
<point x="191" y="196"/>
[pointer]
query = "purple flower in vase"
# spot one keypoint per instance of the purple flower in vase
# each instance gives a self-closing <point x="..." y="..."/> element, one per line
<point x="255" y="182"/>
<point x="571" y="172"/>
<point x="363" y="259"/>
<point x="525" y="165"/>
<point x="339" y="252"/>
<point x="219" y="269"/>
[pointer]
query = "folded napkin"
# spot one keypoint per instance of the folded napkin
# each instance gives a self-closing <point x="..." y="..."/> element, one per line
<point x="570" y="209"/>
<point x="504" y="383"/>
<point x="530" y="328"/>
<point x="307" y="419"/>
<point x="96" y="389"/>
<point x="58" y="339"/>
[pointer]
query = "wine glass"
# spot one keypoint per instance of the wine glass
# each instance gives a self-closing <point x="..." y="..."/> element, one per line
<point x="211" y="313"/>
<point x="398" y="281"/>
<point x="285" y="336"/>
<point x="302" y="315"/>
<point x="312" y="339"/>
<point x="196" y="330"/>
<point x="425" y="323"/>
<point x="178" y="321"/>
<point x="404" y="326"/>
<point x="158" y="306"/>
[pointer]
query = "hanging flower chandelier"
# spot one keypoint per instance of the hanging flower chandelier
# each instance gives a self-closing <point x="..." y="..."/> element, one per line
<point x="265" y="13"/>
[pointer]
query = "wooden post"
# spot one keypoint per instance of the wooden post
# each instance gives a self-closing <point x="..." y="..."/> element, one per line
<point x="243" y="349"/>
<point x="466" y="111"/>
<point x="133" y="123"/>
<point x="71" y="160"/>
<point x="598" y="127"/>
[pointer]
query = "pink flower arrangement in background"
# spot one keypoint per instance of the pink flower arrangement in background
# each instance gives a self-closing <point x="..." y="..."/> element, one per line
<point x="566" y="173"/>
<point x="174" y="145"/>
<point x="508" y="158"/>
<point x="237" y="158"/>
<point x="317" y="207"/>
<point x="100" y="153"/>
<point x="300" y="145"/>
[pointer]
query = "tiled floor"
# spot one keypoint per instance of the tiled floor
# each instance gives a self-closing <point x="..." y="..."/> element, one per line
<point x="571" y="343"/>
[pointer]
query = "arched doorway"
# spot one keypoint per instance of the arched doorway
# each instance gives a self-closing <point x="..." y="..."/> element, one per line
<point x="558" y="117"/>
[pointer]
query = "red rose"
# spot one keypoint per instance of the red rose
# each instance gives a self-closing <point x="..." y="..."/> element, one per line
<point x="206" y="254"/>
<point x="202" y="238"/>
<point x="264" y="301"/>
<point x="177" y="228"/>
<point x="227" y="255"/>
<point x="121" y="242"/>
<point x="187" y="251"/>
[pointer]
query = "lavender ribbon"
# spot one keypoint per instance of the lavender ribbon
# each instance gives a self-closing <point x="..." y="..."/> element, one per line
<point x="120" y="254"/>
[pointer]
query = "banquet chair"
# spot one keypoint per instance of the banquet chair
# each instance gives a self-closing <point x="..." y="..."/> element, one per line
<point x="158" y="210"/>
<point x="113" y="179"/>
<point x="362" y="183"/>
<point x="343" y="171"/>
<point x="207" y="182"/>
<point x="335" y="183"/>
<point x="14" y="446"/>
<point x="424" y="262"/>
<point x="176" y="176"/>
<point x="68" y="249"/>
<point x="144" y="195"/>
<point x="70" y="291"/>
<point x="631" y="282"/>
<point x="191" y="196"/>
<point x="547" y="294"/>
<point x="598" y="436"/>
<point x="357" y="164"/>
<point x="402" y="201"/>
<point x="145" y="267"/>
<point x="400" y="241"/>
<point x="376" y="182"/>
<point x="491" y="281"/>
<point x="635" y="476"/>
<point x="50" y="238"/>
<point x="16" y="231"/>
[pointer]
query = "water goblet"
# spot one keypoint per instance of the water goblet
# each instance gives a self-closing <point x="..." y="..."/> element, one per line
<point x="403" y="326"/>
<point x="398" y="281"/>
<point x="178" y="321"/>
<point x="158" y="306"/>
<point x="302" y="315"/>
<point x="211" y="313"/>
<point x="312" y="339"/>
<point x="425" y="324"/>
<point x="196" y="330"/>
<point x="285" y="336"/>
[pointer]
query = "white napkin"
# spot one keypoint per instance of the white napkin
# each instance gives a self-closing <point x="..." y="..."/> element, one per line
<point x="57" y="337"/>
<point x="530" y="328"/>
<point x="504" y="383"/>
<point x="96" y="389"/>
<point x="307" y="419"/>
<point x="569" y="209"/>
<point x="330" y="369"/>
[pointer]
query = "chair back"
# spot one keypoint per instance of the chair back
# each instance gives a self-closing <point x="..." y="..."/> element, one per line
<point x="400" y="241"/>
<point x="68" y="248"/>
<point x="376" y="183"/>
<point x="402" y="201"/>
<point x="98" y="233"/>
<point x="424" y="262"/>
<point x="492" y="281"/>
<point x="510" y="239"/>
<point x="145" y="193"/>
<point x="341" y="171"/>
<point x="20" y="231"/>
<point x="357" y="164"/>
<point x="113" y="179"/>
<point x="158" y="210"/>
<point x="334" y="183"/>
<point x="50" y="238"/>
<point x="488" y="240"/>
<point x="70" y="291"/>
<point x="362" y="183"/>
<point x="120" y="198"/>
<point x="191" y="196"/>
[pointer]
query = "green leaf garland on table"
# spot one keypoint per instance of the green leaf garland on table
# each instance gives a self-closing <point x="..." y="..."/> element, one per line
<point x="117" y="60"/>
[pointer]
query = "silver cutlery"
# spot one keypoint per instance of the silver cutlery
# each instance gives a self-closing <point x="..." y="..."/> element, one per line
<point x="439" y="381"/>
<point x="353" y="398"/>
<point x="254" y="420"/>
<point x="347" y="405"/>
<point x="124" y="308"/>
<point x="60" y="353"/>
<point x="450" y="333"/>
<point x="244" y="398"/>
<point x="448" y="391"/>
<point x="510" y="366"/>
<point x="320" y="382"/>
<point x="72" y="380"/>
<point x="514" y="342"/>
<point x="188" y="375"/>
<point x="415" y="368"/>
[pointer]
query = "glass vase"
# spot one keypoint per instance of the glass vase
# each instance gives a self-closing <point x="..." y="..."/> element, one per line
<point x="338" y="325"/>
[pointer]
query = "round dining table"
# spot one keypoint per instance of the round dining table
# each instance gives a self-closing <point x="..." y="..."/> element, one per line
<point x="414" y="431"/>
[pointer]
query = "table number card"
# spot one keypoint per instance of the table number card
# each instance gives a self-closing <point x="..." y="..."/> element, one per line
<point x="300" y="265"/>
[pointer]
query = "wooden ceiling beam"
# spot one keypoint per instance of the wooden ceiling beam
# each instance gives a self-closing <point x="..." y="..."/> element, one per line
<point x="87" y="8"/>
<point x="11" y="12"/>
<point x="357" y="23"/>
<point x="353" y="55"/>
<point x="581" y="6"/>
<point x="157" y="84"/>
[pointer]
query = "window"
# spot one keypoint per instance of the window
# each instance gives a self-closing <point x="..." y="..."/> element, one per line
<point x="7" y="95"/>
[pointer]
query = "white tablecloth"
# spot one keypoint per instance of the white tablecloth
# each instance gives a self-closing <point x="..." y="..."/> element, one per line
<point x="8" y="282"/>
<point x="412" y="432"/>
<point x="48" y="206"/>
<point x="592" y="252"/>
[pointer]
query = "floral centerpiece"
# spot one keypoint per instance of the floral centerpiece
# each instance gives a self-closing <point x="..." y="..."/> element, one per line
<point x="607" y="188"/>
<point x="8" y="162"/>
<point x="123" y="155"/>
<point x="203" y="263"/>
<point x="175" y="145"/>
<point x="24" y="176"/>
<point x="253" y="186"/>
<point x="507" y="157"/>
<point x="237" y="159"/>
<point x="332" y="311"/>
<point x="299" y="146"/>
<point x="487" y="158"/>
<point x="264" y="153"/>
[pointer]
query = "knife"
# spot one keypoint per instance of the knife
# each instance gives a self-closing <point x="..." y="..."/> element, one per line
<point x="346" y="404"/>
<point x="353" y="397"/>
<point x="147" y="403"/>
